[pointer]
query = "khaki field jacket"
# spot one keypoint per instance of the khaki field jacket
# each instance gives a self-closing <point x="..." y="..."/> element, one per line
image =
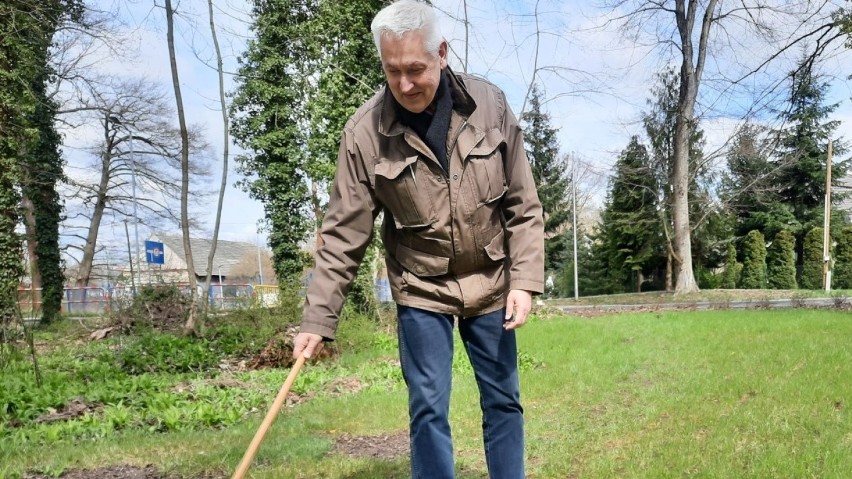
<point x="455" y="242"/>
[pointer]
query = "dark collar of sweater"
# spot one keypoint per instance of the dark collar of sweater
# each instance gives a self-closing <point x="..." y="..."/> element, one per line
<point x="433" y="127"/>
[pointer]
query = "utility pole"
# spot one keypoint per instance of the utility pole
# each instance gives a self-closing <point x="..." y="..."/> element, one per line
<point x="826" y="240"/>
<point x="130" y="257"/>
<point x="259" y="264"/>
<point x="574" y="205"/>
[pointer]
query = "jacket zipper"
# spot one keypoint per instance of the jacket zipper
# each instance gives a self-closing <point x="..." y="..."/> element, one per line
<point x="449" y="185"/>
<point x="453" y="147"/>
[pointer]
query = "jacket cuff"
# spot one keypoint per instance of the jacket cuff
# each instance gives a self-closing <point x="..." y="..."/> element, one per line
<point x="314" y="328"/>
<point x="534" y="287"/>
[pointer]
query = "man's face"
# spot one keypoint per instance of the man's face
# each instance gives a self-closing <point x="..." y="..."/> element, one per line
<point x="413" y="74"/>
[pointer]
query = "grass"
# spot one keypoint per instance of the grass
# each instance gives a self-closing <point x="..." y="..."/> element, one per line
<point x="757" y="394"/>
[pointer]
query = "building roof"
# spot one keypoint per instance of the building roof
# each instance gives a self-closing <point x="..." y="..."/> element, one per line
<point x="228" y="253"/>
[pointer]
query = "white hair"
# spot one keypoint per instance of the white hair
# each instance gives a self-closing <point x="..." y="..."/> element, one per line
<point x="405" y="16"/>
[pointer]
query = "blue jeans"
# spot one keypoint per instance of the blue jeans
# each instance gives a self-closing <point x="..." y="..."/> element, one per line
<point x="426" y="355"/>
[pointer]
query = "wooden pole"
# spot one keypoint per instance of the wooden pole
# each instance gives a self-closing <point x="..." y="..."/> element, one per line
<point x="268" y="420"/>
<point x="826" y="240"/>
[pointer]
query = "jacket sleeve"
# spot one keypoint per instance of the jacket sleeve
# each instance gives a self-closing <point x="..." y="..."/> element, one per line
<point x="522" y="211"/>
<point x="346" y="232"/>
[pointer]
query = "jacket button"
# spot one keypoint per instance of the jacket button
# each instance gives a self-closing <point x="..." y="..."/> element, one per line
<point x="455" y="177"/>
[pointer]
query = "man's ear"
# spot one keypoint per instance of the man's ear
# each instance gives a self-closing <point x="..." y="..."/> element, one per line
<point x="443" y="49"/>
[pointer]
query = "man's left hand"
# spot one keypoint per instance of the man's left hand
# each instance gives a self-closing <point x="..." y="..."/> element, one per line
<point x="518" y="306"/>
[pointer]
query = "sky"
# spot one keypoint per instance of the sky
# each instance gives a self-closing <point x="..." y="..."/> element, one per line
<point x="595" y="78"/>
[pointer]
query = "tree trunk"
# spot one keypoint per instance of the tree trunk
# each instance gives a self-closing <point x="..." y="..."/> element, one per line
<point x="669" y="272"/>
<point x="690" y="78"/>
<point x="85" y="271"/>
<point x="191" y="325"/>
<point x="318" y="213"/>
<point x="226" y="140"/>
<point x="30" y="231"/>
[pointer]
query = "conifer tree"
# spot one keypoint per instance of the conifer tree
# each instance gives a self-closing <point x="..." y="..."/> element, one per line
<point x="754" y="261"/>
<point x="750" y="190"/>
<point x="630" y="231"/>
<point x="550" y="173"/>
<point x="812" y="261"/>
<point x="801" y="159"/>
<point x="733" y="269"/>
<point x="842" y="272"/>
<point x="781" y="261"/>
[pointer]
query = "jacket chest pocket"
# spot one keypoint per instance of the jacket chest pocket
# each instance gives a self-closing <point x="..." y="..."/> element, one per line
<point x="485" y="169"/>
<point x="402" y="193"/>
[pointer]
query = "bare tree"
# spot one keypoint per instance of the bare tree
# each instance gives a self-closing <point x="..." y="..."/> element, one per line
<point x="191" y="321"/>
<point x="138" y="145"/>
<point x="690" y="30"/>
<point x="225" y="143"/>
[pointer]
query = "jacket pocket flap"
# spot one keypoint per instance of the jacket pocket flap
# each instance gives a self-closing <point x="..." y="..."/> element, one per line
<point x="420" y="263"/>
<point x="391" y="169"/>
<point x="496" y="249"/>
<point x="491" y="141"/>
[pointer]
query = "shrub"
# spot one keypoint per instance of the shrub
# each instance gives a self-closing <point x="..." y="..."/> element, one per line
<point x="781" y="261"/>
<point x="731" y="275"/>
<point x="161" y="307"/>
<point x="812" y="262"/>
<point x="754" y="261"/>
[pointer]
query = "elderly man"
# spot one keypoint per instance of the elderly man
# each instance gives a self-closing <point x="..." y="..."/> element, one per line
<point x="442" y="156"/>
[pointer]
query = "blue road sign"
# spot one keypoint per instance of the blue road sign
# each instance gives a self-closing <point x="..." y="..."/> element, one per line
<point x="154" y="252"/>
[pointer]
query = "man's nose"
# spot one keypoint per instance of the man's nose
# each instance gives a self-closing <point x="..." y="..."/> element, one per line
<point x="405" y="85"/>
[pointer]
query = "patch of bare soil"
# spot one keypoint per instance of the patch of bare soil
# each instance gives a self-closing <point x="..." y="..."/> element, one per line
<point x="113" y="472"/>
<point x="278" y="352"/>
<point x="377" y="447"/>
<point x="76" y="408"/>
<point x="118" y="472"/>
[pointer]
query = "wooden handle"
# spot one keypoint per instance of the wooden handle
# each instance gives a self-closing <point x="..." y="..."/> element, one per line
<point x="268" y="420"/>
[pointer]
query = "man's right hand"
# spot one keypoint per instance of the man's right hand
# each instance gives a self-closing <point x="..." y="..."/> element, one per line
<point x="306" y="344"/>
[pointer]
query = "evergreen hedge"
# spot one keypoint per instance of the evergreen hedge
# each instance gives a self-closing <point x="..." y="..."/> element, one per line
<point x="731" y="275"/>
<point x="781" y="261"/>
<point x="812" y="262"/>
<point x="842" y="272"/>
<point x="754" y="261"/>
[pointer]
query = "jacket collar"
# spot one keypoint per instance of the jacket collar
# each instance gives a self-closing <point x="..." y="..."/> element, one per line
<point x="463" y="104"/>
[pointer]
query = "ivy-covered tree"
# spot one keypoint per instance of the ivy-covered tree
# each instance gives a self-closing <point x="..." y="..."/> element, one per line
<point x="801" y="158"/>
<point x="754" y="261"/>
<point x="630" y="231"/>
<point x="42" y="172"/>
<point x="781" y="261"/>
<point x="269" y="123"/>
<point x="26" y="32"/>
<point x="311" y="63"/>
<point x="812" y="261"/>
<point x="842" y="272"/>
<point x="550" y="173"/>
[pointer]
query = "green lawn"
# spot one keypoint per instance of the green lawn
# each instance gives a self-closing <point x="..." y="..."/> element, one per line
<point x="716" y="394"/>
